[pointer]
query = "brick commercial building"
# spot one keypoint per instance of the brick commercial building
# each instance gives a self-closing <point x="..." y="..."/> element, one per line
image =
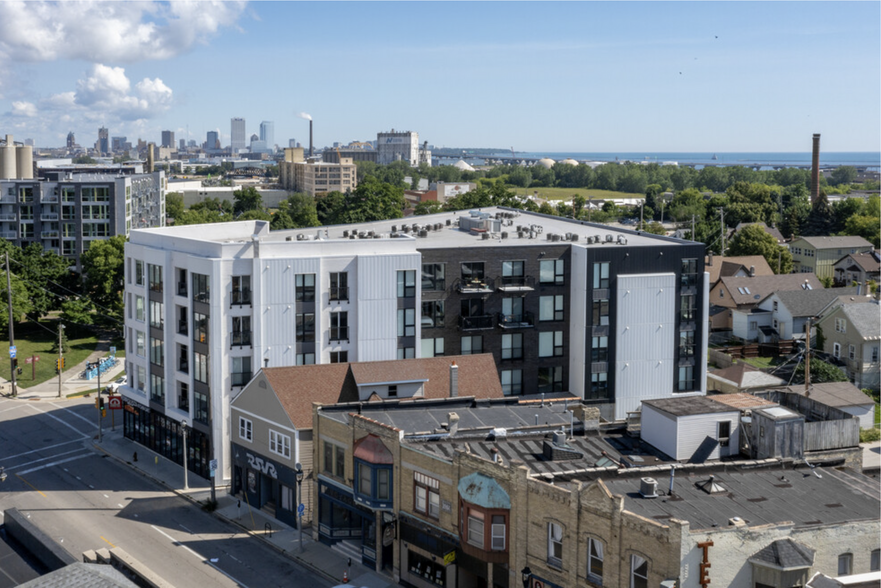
<point x="316" y="178"/>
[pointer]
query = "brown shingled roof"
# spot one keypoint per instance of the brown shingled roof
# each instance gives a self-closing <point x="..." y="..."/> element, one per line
<point x="297" y="387"/>
<point x="728" y="266"/>
<point x="761" y="287"/>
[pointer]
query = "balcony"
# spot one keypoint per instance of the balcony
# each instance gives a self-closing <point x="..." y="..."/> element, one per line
<point x="240" y="339"/>
<point x="49" y="198"/>
<point x="516" y="283"/>
<point x="339" y="333"/>
<point x="517" y="321"/>
<point x="49" y="216"/>
<point x="181" y="288"/>
<point x="10" y="235"/>
<point x="340" y="294"/>
<point x="474" y="285"/>
<point x="476" y="323"/>
<point x="8" y="217"/>
<point x="241" y="297"/>
<point x="182" y="327"/>
<point x="49" y="234"/>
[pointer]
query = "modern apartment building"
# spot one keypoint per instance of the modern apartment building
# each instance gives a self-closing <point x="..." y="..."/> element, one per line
<point x="66" y="211"/>
<point x="238" y="140"/>
<point x="298" y="175"/>
<point x="612" y="316"/>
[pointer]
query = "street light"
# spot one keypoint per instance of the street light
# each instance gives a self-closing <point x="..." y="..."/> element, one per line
<point x="183" y="429"/>
<point x="300" y="475"/>
<point x="526" y="575"/>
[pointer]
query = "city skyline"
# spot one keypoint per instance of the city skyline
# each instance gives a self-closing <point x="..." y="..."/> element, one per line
<point x="579" y="77"/>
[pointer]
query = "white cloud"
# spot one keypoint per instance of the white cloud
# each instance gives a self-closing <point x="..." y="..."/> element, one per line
<point x="25" y="109"/>
<point x="106" y="92"/>
<point x="100" y="32"/>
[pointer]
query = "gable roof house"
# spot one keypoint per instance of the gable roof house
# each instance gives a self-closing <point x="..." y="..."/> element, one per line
<point x="857" y="267"/>
<point x="852" y="334"/>
<point x="740" y="377"/>
<point x="740" y="266"/>
<point x="744" y="294"/>
<point x="817" y="255"/>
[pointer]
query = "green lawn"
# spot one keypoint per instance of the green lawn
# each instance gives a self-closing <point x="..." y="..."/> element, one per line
<point x="33" y="340"/>
<point x="567" y="193"/>
<point x="760" y="362"/>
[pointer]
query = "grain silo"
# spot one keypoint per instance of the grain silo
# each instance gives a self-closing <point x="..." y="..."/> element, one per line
<point x="24" y="162"/>
<point x="7" y="159"/>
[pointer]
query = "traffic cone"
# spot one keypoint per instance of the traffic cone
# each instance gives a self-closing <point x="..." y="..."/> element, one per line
<point x="346" y="577"/>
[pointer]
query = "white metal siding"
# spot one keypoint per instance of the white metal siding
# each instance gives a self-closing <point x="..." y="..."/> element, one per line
<point x="693" y="429"/>
<point x="659" y="430"/>
<point x="644" y="340"/>
<point x="377" y="304"/>
<point x="705" y="335"/>
<point x="578" y="321"/>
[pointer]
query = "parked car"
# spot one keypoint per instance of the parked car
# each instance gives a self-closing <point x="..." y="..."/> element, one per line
<point x="120" y="381"/>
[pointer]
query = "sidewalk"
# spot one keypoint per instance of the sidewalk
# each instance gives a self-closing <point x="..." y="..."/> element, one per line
<point x="315" y="556"/>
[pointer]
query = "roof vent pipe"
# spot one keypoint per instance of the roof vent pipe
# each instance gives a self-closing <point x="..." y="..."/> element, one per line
<point x="453" y="419"/>
<point x="454" y="380"/>
<point x="495" y="454"/>
<point x="752" y="271"/>
<point x="672" y="476"/>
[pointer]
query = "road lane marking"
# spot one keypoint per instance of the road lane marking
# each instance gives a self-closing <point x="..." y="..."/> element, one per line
<point x="106" y="541"/>
<point x="66" y="424"/>
<point x="185" y="529"/>
<point x="22" y="465"/>
<point x="29" y="484"/>
<point x="45" y="448"/>
<point x="55" y="463"/>
<point x="205" y="560"/>
<point x="119" y="505"/>
<point x="77" y="415"/>
<point x="105" y="496"/>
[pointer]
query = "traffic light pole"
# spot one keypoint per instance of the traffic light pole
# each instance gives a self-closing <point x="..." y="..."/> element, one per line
<point x="13" y="363"/>
<point x="60" y="356"/>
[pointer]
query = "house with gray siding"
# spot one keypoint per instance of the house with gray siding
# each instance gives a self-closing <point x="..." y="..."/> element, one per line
<point x="852" y="336"/>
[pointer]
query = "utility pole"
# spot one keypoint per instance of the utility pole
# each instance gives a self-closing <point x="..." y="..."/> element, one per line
<point x="693" y="237"/>
<point x="722" y="217"/>
<point x="641" y="223"/>
<point x="12" y="360"/>
<point x="60" y="356"/>
<point x="808" y="359"/>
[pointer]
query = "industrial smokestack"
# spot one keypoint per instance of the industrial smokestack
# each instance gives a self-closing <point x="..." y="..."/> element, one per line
<point x="310" y="137"/>
<point x="815" y="169"/>
<point x="150" y="159"/>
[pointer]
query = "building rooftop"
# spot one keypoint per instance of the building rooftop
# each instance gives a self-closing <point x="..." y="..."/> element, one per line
<point x="743" y="375"/>
<point x="866" y="318"/>
<point x="742" y="401"/>
<point x="757" y="496"/>
<point x="688" y="406"/>
<point x="834" y="242"/>
<point x="801" y="303"/>
<point x="837" y="394"/>
<point x="785" y="553"/>
<point x="744" y="291"/>
<point x="728" y="266"/>
<point x="867" y="261"/>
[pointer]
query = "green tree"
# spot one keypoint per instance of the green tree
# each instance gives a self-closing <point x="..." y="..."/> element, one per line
<point x="247" y="198"/>
<point x="520" y="176"/>
<point x="655" y="228"/>
<point x="578" y="202"/>
<point x="331" y="208"/>
<point x="754" y="240"/>
<point x="843" y="174"/>
<point x="255" y="215"/>
<point x="866" y="227"/>
<point x="174" y="204"/>
<point x="845" y="208"/>
<point x="300" y="207"/>
<point x="78" y="311"/>
<point x="374" y="200"/>
<point x="21" y="302"/>
<point x="820" y="221"/>
<point x="686" y="204"/>
<point x="103" y="273"/>
<point x="428" y="207"/>
<point x="821" y="372"/>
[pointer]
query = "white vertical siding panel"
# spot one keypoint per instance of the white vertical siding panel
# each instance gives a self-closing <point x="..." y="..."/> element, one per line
<point x="705" y="334"/>
<point x="645" y="339"/>
<point x="377" y="304"/>
<point x="578" y="321"/>
<point x="693" y="429"/>
<point x="659" y="430"/>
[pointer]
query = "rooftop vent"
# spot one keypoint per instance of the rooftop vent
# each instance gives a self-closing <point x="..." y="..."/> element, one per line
<point x="711" y="487"/>
<point x="736" y="522"/>
<point x="574" y="238"/>
<point x="648" y="487"/>
<point x="609" y="238"/>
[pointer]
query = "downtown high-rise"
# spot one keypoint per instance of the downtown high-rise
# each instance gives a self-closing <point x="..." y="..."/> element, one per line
<point x="237" y="134"/>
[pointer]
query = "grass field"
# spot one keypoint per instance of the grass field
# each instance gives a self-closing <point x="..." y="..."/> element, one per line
<point x="34" y="340"/>
<point x="567" y="193"/>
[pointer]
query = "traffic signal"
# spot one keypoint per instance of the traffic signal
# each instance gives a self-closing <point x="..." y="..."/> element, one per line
<point x="57" y="366"/>
<point x="101" y="402"/>
<point x="103" y="413"/>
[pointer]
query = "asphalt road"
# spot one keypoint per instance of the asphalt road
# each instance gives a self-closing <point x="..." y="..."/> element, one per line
<point x="86" y="500"/>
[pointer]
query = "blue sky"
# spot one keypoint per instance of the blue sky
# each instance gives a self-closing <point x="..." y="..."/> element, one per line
<point x="569" y="76"/>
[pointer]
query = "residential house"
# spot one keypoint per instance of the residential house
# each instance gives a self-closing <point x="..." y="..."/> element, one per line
<point x="745" y="293"/>
<point x="770" y="230"/>
<point x="740" y="377"/>
<point x="858" y="268"/>
<point x="852" y="335"/>
<point x="740" y="266"/>
<point x="818" y="255"/>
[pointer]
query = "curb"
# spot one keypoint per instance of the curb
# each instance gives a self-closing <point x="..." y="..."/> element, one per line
<point x="217" y="515"/>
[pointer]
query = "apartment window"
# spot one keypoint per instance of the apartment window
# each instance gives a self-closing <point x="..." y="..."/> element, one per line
<point x="639" y="572"/>
<point x="555" y="545"/>
<point x="550" y="308"/>
<point x="406" y="322"/>
<point x="140" y="344"/>
<point x="433" y="347"/>
<point x="139" y="272"/>
<point x="686" y="378"/>
<point x="601" y="275"/>
<point x="406" y="353"/>
<point x="840" y="325"/>
<point x="845" y="564"/>
<point x="686" y="344"/>
<point x="836" y="350"/>
<point x="241" y="331"/>
<point x="471" y="345"/>
<point x="305" y="287"/>
<point x="687" y="307"/>
<point x="550" y="344"/>
<point x="157" y="314"/>
<point x="181" y="282"/>
<point x="200" y="327"/>
<point x="246" y="429"/>
<point x="432" y="313"/>
<point x="183" y="358"/>
<point x="551" y="271"/>
<point x="406" y="283"/>
<point x="472" y="272"/>
<point x="139" y="308"/>
<point x="599" y="386"/>
<point x="182" y="320"/>
<point x="142" y="378"/>
<point x="154" y="273"/>
<point x="200" y="367"/>
<point x="339" y="286"/>
<point x="595" y="560"/>
<point x="475" y="528"/>
<point x="426" y="495"/>
<point x="279" y="444"/>
<point x="201" y="408"/>
<point x="512" y="310"/>
<point x="373" y="481"/>
<point x="550" y="379"/>
<point x="851" y="352"/>
<point x="157" y="388"/>
<point x="600" y="313"/>
<point x="157" y="352"/>
<point x="334" y="460"/>
<point x="183" y="396"/>
<point x="241" y="289"/>
<point x="305" y="327"/>
<point x="339" y="326"/>
<point x="776" y="305"/>
<point x="200" y="288"/>
<point x="689" y="273"/>
<point x="433" y="277"/>
<point x="875" y="354"/>
<point x="499" y="533"/>
<point x="512" y="382"/>
<point x="513" y="273"/>
<point x="339" y="357"/>
<point x="599" y="349"/>
<point x="241" y="371"/>
<point x="512" y="346"/>
<point x="305" y="359"/>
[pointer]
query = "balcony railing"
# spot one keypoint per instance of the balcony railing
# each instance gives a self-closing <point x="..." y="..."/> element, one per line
<point x="471" y="285"/>
<point x="201" y="296"/>
<point x="9" y="235"/>
<point x="241" y="297"/>
<point x="339" y="333"/>
<point x="516" y="283"/>
<point x="49" y="198"/>
<point x="182" y="327"/>
<point x="240" y="338"/>
<point x="49" y="234"/>
<point x="51" y="216"/>
<point x="340" y="293"/>
<point x="8" y="217"/>
<point x="476" y="323"/>
<point x="181" y="288"/>
<point x="516" y="321"/>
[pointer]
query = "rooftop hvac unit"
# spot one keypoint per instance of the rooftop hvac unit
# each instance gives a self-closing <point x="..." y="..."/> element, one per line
<point x="353" y="236"/>
<point x="484" y="236"/>
<point x="504" y="234"/>
<point x="550" y="236"/>
<point x="394" y="228"/>
<point x="288" y="238"/>
<point x="438" y="226"/>
<point x="449" y="222"/>
<point x="405" y="228"/>
<point x="377" y="236"/>
<point x="622" y="240"/>
<point x="423" y="233"/>
<point x="556" y="237"/>
<point x="371" y="233"/>
<point x="415" y="226"/>
<point x="574" y="238"/>
<point x="609" y="238"/>
<point x="300" y="236"/>
<point x="648" y="487"/>
<point x="532" y="234"/>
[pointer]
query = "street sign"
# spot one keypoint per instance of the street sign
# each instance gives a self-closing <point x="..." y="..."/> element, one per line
<point x="450" y="557"/>
<point x="301" y="508"/>
<point x="32" y="359"/>
<point x="12" y="352"/>
<point x="112" y="350"/>
<point x="114" y="402"/>
<point x="212" y="465"/>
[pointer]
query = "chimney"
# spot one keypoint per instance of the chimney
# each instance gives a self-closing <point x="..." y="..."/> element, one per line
<point x="454" y="380"/>
<point x="150" y="157"/>
<point x="453" y="419"/>
<point x="815" y="169"/>
<point x="710" y="259"/>
<point x="310" y="137"/>
<point x="752" y="271"/>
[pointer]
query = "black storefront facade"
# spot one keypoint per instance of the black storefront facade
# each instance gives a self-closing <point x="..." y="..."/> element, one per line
<point x="261" y="482"/>
<point x="162" y="434"/>
<point x="429" y="555"/>
<point x="341" y="518"/>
